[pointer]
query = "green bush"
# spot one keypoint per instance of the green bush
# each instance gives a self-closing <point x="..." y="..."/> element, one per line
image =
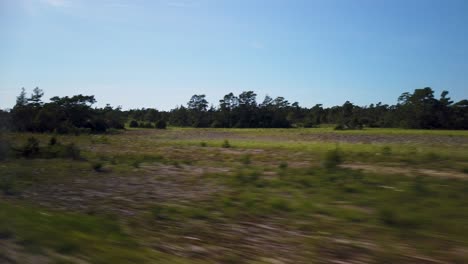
<point x="97" y="166"/>
<point x="387" y="151"/>
<point x="226" y="144"/>
<point x="8" y="185"/>
<point x="333" y="158"/>
<point x="4" y="149"/>
<point x="203" y="144"/>
<point x="133" y="123"/>
<point x="30" y="148"/>
<point x="52" y="141"/>
<point x="283" y="165"/>
<point x="399" y="218"/>
<point x="245" y="159"/>
<point x="161" y="124"/>
<point x="71" y="151"/>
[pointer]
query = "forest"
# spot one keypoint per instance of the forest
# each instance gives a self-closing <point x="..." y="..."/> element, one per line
<point x="420" y="109"/>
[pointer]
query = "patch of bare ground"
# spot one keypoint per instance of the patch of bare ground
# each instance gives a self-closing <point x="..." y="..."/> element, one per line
<point x="126" y="194"/>
<point x="405" y="171"/>
<point x="314" y="136"/>
<point x="386" y="139"/>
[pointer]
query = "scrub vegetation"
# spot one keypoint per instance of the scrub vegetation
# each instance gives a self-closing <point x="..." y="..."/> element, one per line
<point x="214" y="195"/>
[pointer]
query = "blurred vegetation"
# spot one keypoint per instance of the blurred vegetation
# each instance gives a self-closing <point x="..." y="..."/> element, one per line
<point x="179" y="196"/>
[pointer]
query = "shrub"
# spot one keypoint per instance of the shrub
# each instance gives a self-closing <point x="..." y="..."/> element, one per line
<point x="136" y="163"/>
<point x="340" y="127"/>
<point x="226" y="144"/>
<point x="247" y="177"/>
<point x="30" y="148"/>
<point x="4" y="149"/>
<point x="216" y="124"/>
<point x="387" y="151"/>
<point x="245" y="159"/>
<point x="279" y="204"/>
<point x="399" y="218"/>
<point x="8" y="185"/>
<point x="203" y="144"/>
<point x="283" y="165"/>
<point x="71" y="151"/>
<point x="133" y="123"/>
<point x="164" y="212"/>
<point x="161" y="124"/>
<point x="146" y="125"/>
<point x="52" y="141"/>
<point x="333" y="158"/>
<point x="97" y="166"/>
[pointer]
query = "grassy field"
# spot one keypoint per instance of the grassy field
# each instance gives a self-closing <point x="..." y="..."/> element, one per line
<point x="186" y="195"/>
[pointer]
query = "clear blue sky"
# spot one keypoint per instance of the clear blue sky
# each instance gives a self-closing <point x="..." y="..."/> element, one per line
<point x="157" y="53"/>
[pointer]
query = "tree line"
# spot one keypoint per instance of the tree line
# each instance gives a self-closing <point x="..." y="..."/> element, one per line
<point x="419" y="109"/>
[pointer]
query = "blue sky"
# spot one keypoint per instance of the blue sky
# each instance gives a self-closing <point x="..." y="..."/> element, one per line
<point x="157" y="53"/>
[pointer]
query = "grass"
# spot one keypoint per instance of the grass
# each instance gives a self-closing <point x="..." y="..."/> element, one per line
<point x="255" y="195"/>
<point x="68" y="233"/>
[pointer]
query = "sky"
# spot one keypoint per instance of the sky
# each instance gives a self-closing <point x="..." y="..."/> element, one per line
<point x="158" y="53"/>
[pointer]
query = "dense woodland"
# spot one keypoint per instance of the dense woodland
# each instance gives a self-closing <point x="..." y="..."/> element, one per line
<point x="76" y="114"/>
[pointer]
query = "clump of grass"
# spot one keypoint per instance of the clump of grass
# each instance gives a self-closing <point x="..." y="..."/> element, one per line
<point x="283" y="165"/>
<point x="226" y="144"/>
<point x="100" y="140"/>
<point x="247" y="177"/>
<point x="418" y="185"/>
<point x="67" y="233"/>
<point x="8" y="185"/>
<point x="164" y="212"/>
<point x="97" y="166"/>
<point x="399" y="218"/>
<point x="53" y="141"/>
<point x="30" y="149"/>
<point x="281" y="205"/>
<point x="203" y="144"/>
<point x="176" y="163"/>
<point x="387" y="151"/>
<point x="333" y="158"/>
<point x="136" y="163"/>
<point x="246" y="159"/>
<point x="4" y="149"/>
<point x="431" y="156"/>
<point x="71" y="151"/>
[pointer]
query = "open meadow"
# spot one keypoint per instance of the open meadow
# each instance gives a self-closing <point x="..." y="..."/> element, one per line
<point x="188" y="195"/>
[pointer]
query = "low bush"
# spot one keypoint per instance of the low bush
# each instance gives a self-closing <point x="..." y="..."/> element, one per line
<point x="246" y="159"/>
<point x="30" y="149"/>
<point x="133" y="123"/>
<point x="161" y="124"/>
<point x="8" y="185"/>
<point x="333" y="158"/>
<point x="4" y="149"/>
<point x="226" y="144"/>
<point x="97" y="166"/>
<point x="283" y="165"/>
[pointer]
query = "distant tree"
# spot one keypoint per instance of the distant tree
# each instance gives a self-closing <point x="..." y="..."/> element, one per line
<point x="21" y="100"/>
<point x="36" y="97"/>
<point x="198" y="103"/>
<point x="197" y="107"/>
